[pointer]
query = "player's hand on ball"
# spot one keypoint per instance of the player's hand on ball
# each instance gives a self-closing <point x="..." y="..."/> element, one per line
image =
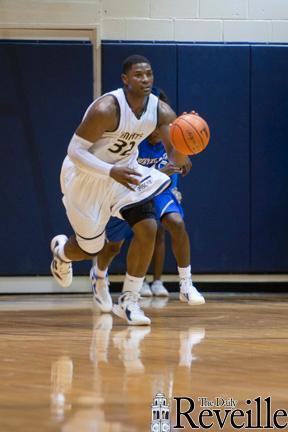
<point x="125" y="176"/>
<point x="170" y="169"/>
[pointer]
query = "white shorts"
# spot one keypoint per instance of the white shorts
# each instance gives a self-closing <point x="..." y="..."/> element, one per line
<point x="91" y="200"/>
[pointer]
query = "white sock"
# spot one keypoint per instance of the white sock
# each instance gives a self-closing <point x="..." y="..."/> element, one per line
<point x="184" y="272"/>
<point x="61" y="254"/>
<point x="132" y="283"/>
<point x="100" y="273"/>
<point x="157" y="281"/>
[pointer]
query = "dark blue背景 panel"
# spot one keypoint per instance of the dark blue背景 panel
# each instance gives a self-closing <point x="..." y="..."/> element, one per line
<point x="214" y="81"/>
<point x="45" y="89"/>
<point x="269" y="167"/>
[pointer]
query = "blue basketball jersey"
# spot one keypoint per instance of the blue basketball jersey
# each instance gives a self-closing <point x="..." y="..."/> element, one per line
<point x="155" y="156"/>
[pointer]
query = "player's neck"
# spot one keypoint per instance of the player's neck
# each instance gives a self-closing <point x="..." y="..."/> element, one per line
<point x="137" y="104"/>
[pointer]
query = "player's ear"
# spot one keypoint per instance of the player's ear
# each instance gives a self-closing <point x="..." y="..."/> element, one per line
<point x="124" y="79"/>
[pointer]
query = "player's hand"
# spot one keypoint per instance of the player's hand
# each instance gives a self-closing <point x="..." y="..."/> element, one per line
<point x="126" y="176"/>
<point x="191" y="112"/>
<point x="170" y="169"/>
<point x="177" y="194"/>
<point x="186" y="167"/>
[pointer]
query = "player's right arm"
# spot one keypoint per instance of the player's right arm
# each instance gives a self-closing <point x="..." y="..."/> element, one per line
<point x="101" y="117"/>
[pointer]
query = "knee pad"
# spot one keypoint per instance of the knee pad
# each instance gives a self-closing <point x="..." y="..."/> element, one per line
<point x="91" y="246"/>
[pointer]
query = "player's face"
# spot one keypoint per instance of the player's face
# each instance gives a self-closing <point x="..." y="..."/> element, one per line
<point x="139" y="79"/>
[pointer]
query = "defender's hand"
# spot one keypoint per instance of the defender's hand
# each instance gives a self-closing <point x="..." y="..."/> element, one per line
<point x="186" y="167"/>
<point x="170" y="169"/>
<point x="191" y="112"/>
<point x="126" y="176"/>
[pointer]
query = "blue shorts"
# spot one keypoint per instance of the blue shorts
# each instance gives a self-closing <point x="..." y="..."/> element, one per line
<point x="166" y="203"/>
<point x="118" y="230"/>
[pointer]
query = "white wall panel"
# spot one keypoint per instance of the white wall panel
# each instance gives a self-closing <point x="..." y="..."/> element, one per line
<point x="49" y="12"/>
<point x="233" y="9"/>
<point x="279" y="31"/>
<point x="125" y="8"/>
<point x="182" y="20"/>
<point x="174" y="8"/>
<point x="267" y="9"/>
<point x="245" y="31"/>
<point x="113" y="28"/>
<point x="150" y="29"/>
<point x="196" y="30"/>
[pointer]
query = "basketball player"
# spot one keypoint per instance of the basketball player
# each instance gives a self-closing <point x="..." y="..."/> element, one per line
<point x="100" y="177"/>
<point x="169" y="212"/>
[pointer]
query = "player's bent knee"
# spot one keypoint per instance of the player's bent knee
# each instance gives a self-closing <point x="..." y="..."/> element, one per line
<point x="145" y="231"/>
<point x="175" y="226"/>
<point x="91" y="246"/>
<point x="114" y="248"/>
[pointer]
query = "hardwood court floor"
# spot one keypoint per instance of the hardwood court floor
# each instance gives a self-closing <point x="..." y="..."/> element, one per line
<point x="63" y="367"/>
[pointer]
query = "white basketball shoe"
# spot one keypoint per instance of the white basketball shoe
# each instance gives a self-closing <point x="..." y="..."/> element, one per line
<point x="189" y="293"/>
<point x="158" y="289"/>
<point x="145" y="290"/>
<point x="61" y="270"/>
<point x="101" y="294"/>
<point x="129" y="309"/>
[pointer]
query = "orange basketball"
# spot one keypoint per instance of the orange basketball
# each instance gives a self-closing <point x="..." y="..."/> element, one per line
<point x="189" y="134"/>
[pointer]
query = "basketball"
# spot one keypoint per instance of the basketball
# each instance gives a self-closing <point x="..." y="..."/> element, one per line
<point x="189" y="134"/>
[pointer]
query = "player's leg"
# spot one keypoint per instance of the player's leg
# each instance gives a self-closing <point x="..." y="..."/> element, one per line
<point x="116" y="232"/>
<point x="144" y="226"/>
<point x="106" y="256"/>
<point x="87" y="220"/>
<point x="157" y="263"/>
<point x="99" y="276"/>
<point x="141" y="247"/>
<point x="65" y="251"/>
<point x="159" y="253"/>
<point x="175" y="225"/>
<point x="157" y="287"/>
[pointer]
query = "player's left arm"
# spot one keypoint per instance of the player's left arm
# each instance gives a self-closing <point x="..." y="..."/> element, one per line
<point x="165" y="117"/>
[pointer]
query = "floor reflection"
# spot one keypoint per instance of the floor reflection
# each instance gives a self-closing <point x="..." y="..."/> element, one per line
<point x="61" y="385"/>
<point x="130" y="365"/>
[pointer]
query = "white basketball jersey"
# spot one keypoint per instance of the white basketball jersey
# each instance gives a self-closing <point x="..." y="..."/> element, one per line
<point x="121" y="146"/>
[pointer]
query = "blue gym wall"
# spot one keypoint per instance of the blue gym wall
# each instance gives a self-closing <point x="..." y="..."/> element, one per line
<point x="235" y="198"/>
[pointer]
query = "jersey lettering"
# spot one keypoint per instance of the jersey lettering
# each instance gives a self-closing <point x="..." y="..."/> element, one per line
<point x="131" y="136"/>
<point x="122" y="145"/>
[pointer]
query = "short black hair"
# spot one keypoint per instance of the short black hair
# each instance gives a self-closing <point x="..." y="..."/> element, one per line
<point x="131" y="60"/>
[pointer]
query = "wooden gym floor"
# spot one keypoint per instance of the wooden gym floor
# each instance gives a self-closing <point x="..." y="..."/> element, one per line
<point x="64" y="367"/>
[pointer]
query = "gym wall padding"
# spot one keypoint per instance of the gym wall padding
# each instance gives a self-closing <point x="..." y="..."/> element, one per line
<point x="235" y="198"/>
<point x="269" y="158"/>
<point x="45" y="88"/>
<point x="214" y="81"/>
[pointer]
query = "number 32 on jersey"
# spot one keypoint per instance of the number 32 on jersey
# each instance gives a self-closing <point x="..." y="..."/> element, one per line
<point x="124" y="148"/>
